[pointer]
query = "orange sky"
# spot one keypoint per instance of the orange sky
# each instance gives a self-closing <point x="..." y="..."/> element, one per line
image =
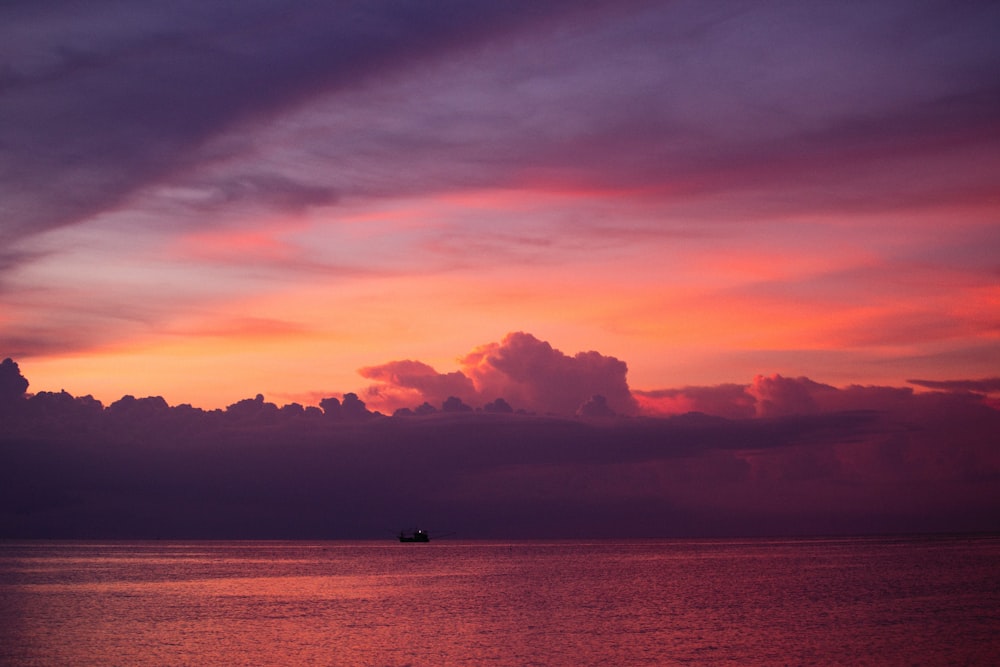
<point x="705" y="195"/>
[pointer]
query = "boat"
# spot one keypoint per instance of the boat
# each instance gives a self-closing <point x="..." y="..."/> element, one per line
<point x="415" y="536"/>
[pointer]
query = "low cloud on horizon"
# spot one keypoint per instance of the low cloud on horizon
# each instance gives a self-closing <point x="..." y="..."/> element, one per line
<point x="775" y="456"/>
<point x="531" y="376"/>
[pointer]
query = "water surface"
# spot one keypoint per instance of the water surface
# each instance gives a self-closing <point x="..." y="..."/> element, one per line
<point x="817" y="601"/>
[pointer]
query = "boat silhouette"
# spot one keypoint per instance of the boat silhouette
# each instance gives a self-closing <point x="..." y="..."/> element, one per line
<point x="415" y="536"/>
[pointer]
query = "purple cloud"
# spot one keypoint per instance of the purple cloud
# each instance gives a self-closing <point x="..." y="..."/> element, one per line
<point x="98" y="103"/>
<point x="71" y="468"/>
<point x="984" y="386"/>
<point x="779" y="396"/>
<point x="531" y="373"/>
<point x="13" y="385"/>
<point x="521" y="370"/>
<point x="408" y="383"/>
<point x="728" y="400"/>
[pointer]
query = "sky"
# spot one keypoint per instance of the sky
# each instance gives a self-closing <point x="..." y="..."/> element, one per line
<point x="666" y="267"/>
<point x="205" y="202"/>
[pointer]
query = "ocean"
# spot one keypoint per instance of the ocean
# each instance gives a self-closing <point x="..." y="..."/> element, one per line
<point x="838" y="601"/>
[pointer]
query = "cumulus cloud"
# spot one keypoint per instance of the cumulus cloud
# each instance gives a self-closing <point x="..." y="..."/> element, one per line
<point x="13" y="385"/>
<point x="407" y="383"/>
<point x="777" y="396"/>
<point x="531" y="373"/>
<point x="764" y="396"/>
<point x="455" y="404"/>
<point x="527" y="373"/>
<point x="499" y="406"/>
<point x="524" y="373"/>
<point x="596" y="406"/>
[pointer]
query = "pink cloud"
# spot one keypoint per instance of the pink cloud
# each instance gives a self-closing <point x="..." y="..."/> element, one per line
<point x="726" y="400"/>
<point x="408" y="383"/>
<point x="531" y="373"/>
<point x="778" y="396"/>
<point x="526" y="372"/>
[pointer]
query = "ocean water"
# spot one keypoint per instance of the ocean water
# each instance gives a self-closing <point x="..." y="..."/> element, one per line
<point x="877" y="601"/>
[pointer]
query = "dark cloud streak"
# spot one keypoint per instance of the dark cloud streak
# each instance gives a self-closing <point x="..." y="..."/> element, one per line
<point x="985" y="385"/>
<point x="101" y="100"/>
<point x="107" y="100"/>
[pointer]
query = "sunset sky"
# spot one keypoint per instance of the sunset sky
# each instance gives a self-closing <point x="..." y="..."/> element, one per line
<point x="205" y="201"/>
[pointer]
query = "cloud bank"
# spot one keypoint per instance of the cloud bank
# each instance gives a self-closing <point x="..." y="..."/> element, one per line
<point x="532" y="376"/>
<point x="792" y="456"/>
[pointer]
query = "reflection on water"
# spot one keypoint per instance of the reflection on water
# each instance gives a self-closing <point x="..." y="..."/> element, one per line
<point x="843" y="601"/>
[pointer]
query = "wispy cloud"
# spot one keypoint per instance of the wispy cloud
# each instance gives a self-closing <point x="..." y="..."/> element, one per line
<point x="986" y="385"/>
<point x="692" y="183"/>
<point x="97" y="107"/>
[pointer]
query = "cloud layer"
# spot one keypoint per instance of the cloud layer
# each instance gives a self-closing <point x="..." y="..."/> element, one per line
<point x="814" y="460"/>
<point x="531" y="375"/>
